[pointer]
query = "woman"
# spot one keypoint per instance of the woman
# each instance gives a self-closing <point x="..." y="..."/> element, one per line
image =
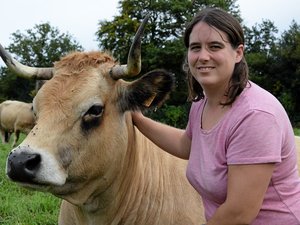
<point x="239" y="140"/>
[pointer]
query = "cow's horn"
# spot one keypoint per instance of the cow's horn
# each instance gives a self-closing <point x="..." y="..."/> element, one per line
<point x="25" y="71"/>
<point x="133" y="66"/>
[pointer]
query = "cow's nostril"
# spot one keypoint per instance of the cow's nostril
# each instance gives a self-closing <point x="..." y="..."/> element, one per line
<point x="33" y="162"/>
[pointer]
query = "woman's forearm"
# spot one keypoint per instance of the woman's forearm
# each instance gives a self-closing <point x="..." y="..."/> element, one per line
<point x="225" y="216"/>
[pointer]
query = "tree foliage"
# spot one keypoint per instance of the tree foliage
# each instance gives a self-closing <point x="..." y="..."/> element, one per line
<point x="38" y="47"/>
<point x="261" y="42"/>
<point x="286" y="70"/>
<point x="274" y="63"/>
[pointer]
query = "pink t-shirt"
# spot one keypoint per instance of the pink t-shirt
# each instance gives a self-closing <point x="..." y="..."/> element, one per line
<point x="255" y="130"/>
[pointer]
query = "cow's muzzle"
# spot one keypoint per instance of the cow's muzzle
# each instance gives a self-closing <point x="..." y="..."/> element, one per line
<point x="23" y="166"/>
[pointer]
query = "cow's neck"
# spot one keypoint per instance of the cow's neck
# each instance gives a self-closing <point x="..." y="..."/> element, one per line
<point x="138" y="183"/>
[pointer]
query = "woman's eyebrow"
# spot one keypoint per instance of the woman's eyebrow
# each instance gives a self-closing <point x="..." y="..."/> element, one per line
<point x="210" y="43"/>
<point x="194" y="43"/>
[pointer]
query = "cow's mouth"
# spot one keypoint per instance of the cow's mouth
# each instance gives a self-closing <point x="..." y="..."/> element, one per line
<point x="35" y="186"/>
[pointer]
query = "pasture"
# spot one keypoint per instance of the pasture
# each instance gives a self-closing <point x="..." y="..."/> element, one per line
<point x="19" y="206"/>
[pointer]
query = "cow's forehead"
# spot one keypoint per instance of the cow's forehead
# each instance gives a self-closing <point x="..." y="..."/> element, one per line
<point x="76" y="87"/>
<point x="78" y="62"/>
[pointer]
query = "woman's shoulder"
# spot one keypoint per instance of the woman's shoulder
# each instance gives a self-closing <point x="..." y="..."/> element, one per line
<point x="256" y="98"/>
<point x="196" y="109"/>
<point x="197" y="105"/>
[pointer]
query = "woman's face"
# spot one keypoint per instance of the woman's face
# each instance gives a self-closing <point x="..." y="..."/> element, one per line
<point x="211" y="57"/>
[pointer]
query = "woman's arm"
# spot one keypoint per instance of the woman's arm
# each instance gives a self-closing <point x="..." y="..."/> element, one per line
<point x="247" y="185"/>
<point x="170" y="139"/>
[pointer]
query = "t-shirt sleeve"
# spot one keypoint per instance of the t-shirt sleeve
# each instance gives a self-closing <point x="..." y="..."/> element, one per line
<point x="188" y="130"/>
<point x="256" y="138"/>
<point x="193" y="118"/>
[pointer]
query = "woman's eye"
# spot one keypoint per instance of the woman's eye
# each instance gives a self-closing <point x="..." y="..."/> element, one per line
<point x="215" y="47"/>
<point x="195" y="48"/>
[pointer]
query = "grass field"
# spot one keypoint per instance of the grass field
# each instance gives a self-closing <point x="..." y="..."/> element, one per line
<point x="19" y="206"/>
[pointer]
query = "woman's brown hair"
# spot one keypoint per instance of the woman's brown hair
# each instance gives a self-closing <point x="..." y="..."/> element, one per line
<point x="227" y="23"/>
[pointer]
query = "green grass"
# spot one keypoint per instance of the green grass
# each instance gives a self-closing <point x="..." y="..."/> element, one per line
<point x="297" y="131"/>
<point x="19" y="206"/>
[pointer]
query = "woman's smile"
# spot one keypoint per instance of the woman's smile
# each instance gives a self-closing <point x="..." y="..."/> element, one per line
<point x="205" y="68"/>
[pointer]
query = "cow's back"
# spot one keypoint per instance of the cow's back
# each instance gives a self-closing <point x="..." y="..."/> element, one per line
<point x="16" y="115"/>
<point x="7" y="115"/>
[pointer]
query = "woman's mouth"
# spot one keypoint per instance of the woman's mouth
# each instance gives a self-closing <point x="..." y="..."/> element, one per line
<point x="205" y="68"/>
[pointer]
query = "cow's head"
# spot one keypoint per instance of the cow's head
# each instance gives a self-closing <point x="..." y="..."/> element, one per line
<point x="83" y="133"/>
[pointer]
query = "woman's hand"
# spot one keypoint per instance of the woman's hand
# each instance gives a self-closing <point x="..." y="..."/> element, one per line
<point x="137" y="116"/>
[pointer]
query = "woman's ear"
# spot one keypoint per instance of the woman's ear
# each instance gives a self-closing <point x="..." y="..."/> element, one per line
<point x="239" y="53"/>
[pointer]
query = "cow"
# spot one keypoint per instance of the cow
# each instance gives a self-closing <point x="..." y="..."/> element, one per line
<point x="15" y="117"/>
<point x="86" y="150"/>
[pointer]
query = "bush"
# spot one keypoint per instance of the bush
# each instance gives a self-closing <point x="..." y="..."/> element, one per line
<point x="176" y="116"/>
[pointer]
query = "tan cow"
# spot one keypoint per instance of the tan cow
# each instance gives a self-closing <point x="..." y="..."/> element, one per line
<point x="15" y="117"/>
<point x="85" y="149"/>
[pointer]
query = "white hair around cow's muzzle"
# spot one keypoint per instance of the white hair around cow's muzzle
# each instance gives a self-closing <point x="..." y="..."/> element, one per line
<point x="26" y="166"/>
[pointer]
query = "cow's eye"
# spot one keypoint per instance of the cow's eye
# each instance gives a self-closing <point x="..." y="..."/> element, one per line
<point x="92" y="117"/>
<point x="95" y="110"/>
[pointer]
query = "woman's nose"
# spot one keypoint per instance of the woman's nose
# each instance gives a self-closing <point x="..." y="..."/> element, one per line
<point x="203" y="55"/>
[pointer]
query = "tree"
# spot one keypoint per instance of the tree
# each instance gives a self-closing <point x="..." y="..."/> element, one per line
<point x="39" y="47"/>
<point x="261" y="37"/>
<point x="162" y="44"/>
<point x="287" y="70"/>
<point x="274" y="63"/>
<point x="261" y="44"/>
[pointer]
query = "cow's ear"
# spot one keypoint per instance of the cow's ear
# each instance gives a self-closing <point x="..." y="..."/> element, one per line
<point x="150" y="90"/>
